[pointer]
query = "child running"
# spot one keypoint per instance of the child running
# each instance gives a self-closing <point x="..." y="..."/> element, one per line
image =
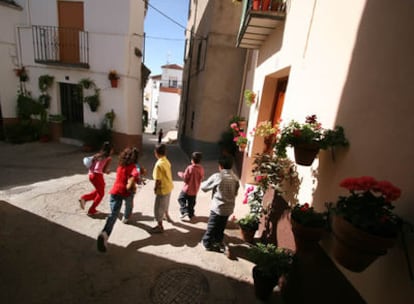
<point x="126" y="168"/>
<point x="100" y="165"/>
<point x="192" y="176"/>
<point x="163" y="186"/>
<point x="224" y="185"/>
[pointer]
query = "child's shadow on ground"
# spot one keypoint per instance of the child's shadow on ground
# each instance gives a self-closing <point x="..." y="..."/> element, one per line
<point x="175" y="237"/>
<point x="98" y="216"/>
<point x="191" y="238"/>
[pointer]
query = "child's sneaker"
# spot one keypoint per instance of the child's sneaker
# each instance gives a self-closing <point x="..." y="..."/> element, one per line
<point x="102" y="241"/>
<point x="82" y="203"/>
<point x="157" y="229"/>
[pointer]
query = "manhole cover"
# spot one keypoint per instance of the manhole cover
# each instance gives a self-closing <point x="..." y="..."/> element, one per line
<point x="180" y="285"/>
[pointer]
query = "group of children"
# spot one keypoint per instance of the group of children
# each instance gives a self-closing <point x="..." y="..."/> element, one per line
<point x="224" y="186"/>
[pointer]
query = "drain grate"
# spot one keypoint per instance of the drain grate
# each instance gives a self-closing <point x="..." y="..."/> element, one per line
<point x="181" y="286"/>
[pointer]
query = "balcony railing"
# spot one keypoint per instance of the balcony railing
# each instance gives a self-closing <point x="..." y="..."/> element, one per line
<point x="259" y="19"/>
<point x="60" y="46"/>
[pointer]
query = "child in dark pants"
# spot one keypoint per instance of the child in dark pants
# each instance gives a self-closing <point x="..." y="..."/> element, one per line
<point x="192" y="176"/>
<point x="224" y="186"/>
<point x="119" y="192"/>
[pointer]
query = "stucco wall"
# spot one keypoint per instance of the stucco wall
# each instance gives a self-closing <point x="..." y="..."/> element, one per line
<point x="111" y="47"/>
<point x="351" y="65"/>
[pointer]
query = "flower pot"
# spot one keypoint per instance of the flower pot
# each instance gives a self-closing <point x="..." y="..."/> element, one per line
<point x="114" y="83"/>
<point x="265" y="5"/>
<point x="256" y="5"/>
<point x="242" y="124"/>
<point x="269" y="142"/>
<point x="242" y="147"/>
<point x="356" y="249"/>
<point x="305" y="153"/>
<point x="263" y="284"/>
<point x="306" y="238"/>
<point x="247" y="235"/>
<point x="56" y="130"/>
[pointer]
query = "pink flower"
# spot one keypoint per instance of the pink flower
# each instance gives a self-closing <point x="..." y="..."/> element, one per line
<point x="234" y="126"/>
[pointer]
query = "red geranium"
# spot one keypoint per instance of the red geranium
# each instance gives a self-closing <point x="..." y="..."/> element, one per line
<point x="368" y="206"/>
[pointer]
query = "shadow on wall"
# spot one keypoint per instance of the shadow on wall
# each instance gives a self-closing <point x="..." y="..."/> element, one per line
<point x="376" y="112"/>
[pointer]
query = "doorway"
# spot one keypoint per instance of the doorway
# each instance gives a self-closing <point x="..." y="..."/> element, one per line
<point x="70" y="24"/>
<point x="72" y="109"/>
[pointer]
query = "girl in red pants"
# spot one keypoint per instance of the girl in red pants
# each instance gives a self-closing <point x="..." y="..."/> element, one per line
<point x="100" y="165"/>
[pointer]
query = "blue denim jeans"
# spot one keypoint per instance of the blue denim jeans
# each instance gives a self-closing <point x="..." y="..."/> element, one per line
<point x="215" y="229"/>
<point x="187" y="203"/>
<point x="129" y="205"/>
<point x="115" y="202"/>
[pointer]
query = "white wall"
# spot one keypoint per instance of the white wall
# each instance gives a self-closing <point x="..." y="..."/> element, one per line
<point x="351" y="65"/>
<point x="111" y="46"/>
<point x="168" y="109"/>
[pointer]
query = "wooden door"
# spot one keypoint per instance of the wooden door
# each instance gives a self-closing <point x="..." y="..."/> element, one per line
<point x="279" y="99"/>
<point x="70" y="16"/>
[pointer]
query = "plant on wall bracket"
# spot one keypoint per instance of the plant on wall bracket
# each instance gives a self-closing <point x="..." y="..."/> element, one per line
<point x="249" y="97"/>
<point x="45" y="82"/>
<point x="91" y="100"/>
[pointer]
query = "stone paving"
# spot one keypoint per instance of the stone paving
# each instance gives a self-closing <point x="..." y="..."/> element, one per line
<point x="48" y="244"/>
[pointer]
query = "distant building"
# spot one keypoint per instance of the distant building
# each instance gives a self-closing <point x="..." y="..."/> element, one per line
<point x="72" y="41"/>
<point x="162" y="96"/>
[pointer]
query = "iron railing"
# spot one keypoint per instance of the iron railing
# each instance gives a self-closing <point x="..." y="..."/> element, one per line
<point x="60" y="46"/>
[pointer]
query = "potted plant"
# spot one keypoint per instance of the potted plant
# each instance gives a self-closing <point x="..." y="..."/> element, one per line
<point x="45" y="82"/>
<point x="270" y="171"/>
<point x="363" y="224"/>
<point x="271" y="264"/>
<point x="307" y="139"/>
<point x="269" y="132"/>
<point x="308" y="226"/>
<point x="241" y="141"/>
<point x="238" y="121"/>
<point x="87" y="83"/>
<point x="250" y="222"/>
<point x="92" y="101"/>
<point x="22" y="74"/>
<point x="109" y="118"/>
<point x="56" y="128"/>
<point x="113" y="77"/>
<point x="249" y="97"/>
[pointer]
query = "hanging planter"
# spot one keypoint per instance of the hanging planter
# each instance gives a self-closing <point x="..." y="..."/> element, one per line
<point x="92" y="101"/>
<point x="113" y="78"/>
<point x="355" y="249"/>
<point x="363" y="224"/>
<point x="114" y="83"/>
<point x="307" y="139"/>
<point x="305" y="153"/>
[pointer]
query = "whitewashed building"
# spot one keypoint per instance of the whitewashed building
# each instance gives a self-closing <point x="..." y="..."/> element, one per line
<point x="71" y="41"/>
<point x="162" y="98"/>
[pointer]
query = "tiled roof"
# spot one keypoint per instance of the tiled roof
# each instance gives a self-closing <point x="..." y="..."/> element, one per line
<point x="172" y="67"/>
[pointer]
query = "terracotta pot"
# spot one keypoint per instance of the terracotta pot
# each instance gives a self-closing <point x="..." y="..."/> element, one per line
<point x="242" y="147"/>
<point x="306" y="238"/>
<point x="305" y="153"/>
<point x="265" y="5"/>
<point x="247" y="235"/>
<point x="263" y="285"/>
<point x="242" y="124"/>
<point x="356" y="249"/>
<point x="114" y="83"/>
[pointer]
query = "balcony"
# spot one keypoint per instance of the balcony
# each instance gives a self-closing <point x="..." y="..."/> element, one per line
<point x="259" y="19"/>
<point x="60" y="46"/>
